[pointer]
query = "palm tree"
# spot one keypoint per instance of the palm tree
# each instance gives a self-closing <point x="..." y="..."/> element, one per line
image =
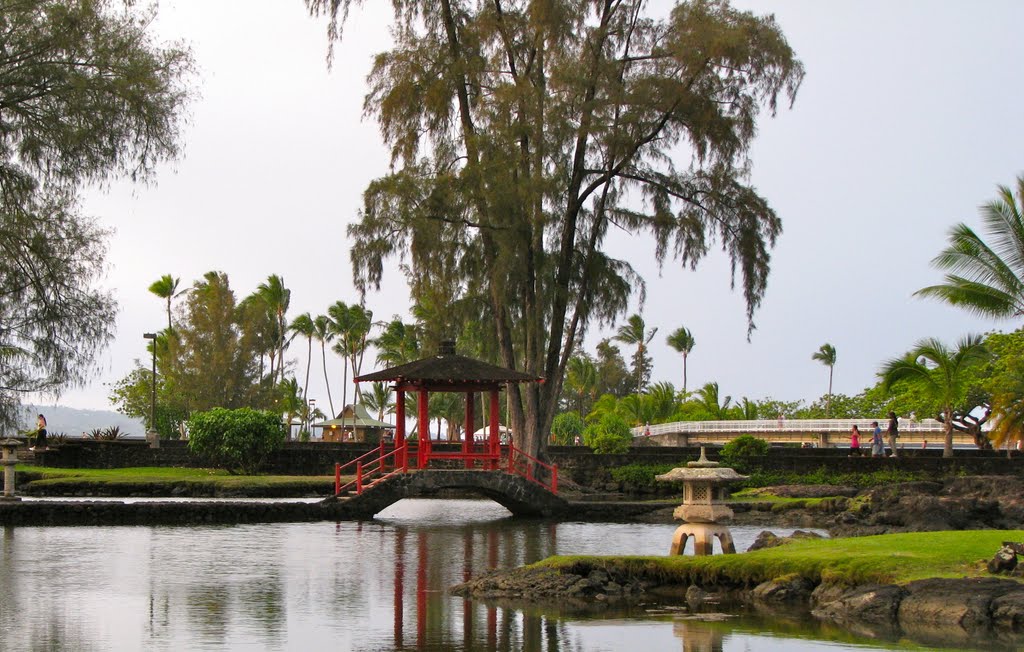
<point x="663" y="401"/>
<point x="379" y="398"/>
<point x="397" y="344"/>
<point x="303" y="325"/>
<point x="581" y="380"/>
<point x="939" y="372"/>
<point x="289" y="402"/>
<point x="166" y="287"/>
<point x="826" y="355"/>
<point x="277" y="299"/>
<point x="258" y="325"/>
<point x="708" y="396"/>
<point x="986" y="278"/>
<point x="682" y="340"/>
<point x="1008" y="403"/>
<point x="634" y="331"/>
<point x="324" y="333"/>
<point x="351" y="325"/>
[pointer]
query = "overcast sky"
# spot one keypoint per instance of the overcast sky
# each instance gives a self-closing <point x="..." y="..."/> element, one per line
<point x="908" y="118"/>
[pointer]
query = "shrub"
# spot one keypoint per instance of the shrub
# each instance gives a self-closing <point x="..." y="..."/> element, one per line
<point x="236" y="440"/>
<point x="642" y="474"/>
<point x="112" y="433"/>
<point x="566" y="427"/>
<point x="740" y="451"/>
<point x="610" y="435"/>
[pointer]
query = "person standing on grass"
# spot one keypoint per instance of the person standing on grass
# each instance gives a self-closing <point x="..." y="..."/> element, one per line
<point x="893" y="431"/>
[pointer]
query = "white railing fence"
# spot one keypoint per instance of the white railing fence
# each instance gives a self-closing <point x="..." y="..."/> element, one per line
<point x="787" y="425"/>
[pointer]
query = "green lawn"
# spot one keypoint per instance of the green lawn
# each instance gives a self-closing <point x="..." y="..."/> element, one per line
<point x="163" y="476"/>
<point x="887" y="559"/>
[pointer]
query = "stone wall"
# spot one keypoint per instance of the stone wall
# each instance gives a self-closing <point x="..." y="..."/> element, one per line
<point x="577" y="464"/>
<point x="294" y="459"/>
<point x="583" y="467"/>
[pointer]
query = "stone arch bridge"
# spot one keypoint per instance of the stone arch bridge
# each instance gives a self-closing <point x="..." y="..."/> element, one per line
<point x="513" y="492"/>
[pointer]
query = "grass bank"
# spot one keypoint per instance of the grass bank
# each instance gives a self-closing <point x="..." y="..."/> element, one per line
<point x="882" y="559"/>
<point x="165" y="481"/>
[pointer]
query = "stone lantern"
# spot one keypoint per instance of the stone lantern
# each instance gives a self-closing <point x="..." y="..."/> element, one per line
<point x="10" y="458"/>
<point x="705" y="490"/>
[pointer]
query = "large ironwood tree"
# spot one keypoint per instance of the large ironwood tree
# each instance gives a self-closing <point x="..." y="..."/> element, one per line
<point x="523" y="132"/>
<point x="85" y="94"/>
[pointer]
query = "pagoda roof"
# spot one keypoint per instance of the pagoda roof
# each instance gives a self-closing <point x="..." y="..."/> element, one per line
<point x="449" y="369"/>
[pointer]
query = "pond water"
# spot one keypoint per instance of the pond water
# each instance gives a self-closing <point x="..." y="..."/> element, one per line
<point x="375" y="585"/>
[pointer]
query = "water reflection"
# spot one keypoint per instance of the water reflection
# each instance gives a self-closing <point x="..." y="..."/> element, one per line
<point x="376" y="585"/>
<point x="698" y="636"/>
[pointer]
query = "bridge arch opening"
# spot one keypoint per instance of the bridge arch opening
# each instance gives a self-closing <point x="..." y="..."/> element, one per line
<point x="463" y="507"/>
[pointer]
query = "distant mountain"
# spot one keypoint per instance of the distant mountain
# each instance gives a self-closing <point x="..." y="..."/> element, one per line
<point x="73" y="422"/>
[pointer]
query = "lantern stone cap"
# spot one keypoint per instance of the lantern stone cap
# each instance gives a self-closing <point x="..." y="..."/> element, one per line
<point x="10" y="442"/>
<point x="702" y="470"/>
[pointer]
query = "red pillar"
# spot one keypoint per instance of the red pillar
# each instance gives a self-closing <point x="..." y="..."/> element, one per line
<point x="400" y="428"/>
<point x="467" y="574"/>
<point x="424" y="430"/>
<point x="421" y="591"/>
<point x="467" y="437"/>
<point x="495" y="441"/>
<point x="399" y="587"/>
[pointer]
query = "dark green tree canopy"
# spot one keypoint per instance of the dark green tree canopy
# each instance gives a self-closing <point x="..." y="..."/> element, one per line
<point x="523" y="131"/>
<point x="85" y="94"/>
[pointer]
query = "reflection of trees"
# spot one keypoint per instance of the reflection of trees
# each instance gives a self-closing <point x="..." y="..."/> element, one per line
<point x="25" y="622"/>
<point x="208" y="610"/>
<point x="262" y="600"/>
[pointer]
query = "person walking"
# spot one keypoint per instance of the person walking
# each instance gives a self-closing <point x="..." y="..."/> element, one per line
<point x="877" y="445"/>
<point x="893" y="431"/>
<point x="855" y="441"/>
<point x="40" y="434"/>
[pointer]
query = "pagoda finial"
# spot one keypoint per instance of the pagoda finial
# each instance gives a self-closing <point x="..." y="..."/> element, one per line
<point x="702" y="462"/>
<point x="446" y="347"/>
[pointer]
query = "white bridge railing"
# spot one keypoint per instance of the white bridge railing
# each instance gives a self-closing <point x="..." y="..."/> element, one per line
<point x="786" y="425"/>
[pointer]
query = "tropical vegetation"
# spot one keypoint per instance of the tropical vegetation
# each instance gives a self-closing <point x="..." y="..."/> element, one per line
<point x="986" y="277"/>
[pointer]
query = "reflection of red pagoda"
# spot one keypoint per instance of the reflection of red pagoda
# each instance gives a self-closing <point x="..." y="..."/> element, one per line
<point x="481" y="628"/>
<point x="448" y="372"/>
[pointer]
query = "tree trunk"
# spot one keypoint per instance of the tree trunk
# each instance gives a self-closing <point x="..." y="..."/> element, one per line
<point x="684" y="374"/>
<point x="309" y="363"/>
<point x="828" y="401"/>
<point x="344" y="394"/>
<point x="947" y="447"/>
<point x="327" y="381"/>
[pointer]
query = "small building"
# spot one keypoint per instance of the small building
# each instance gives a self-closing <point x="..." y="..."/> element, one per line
<point x="354" y="423"/>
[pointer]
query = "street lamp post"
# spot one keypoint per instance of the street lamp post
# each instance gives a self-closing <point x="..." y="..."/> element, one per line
<point x="309" y="422"/>
<point x="155" y="439"/>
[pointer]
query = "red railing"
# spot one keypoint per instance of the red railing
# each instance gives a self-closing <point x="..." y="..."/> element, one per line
<point x="373" y="467"/>
<point x="369" y="473"/>
<point x="522" y="464"/>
